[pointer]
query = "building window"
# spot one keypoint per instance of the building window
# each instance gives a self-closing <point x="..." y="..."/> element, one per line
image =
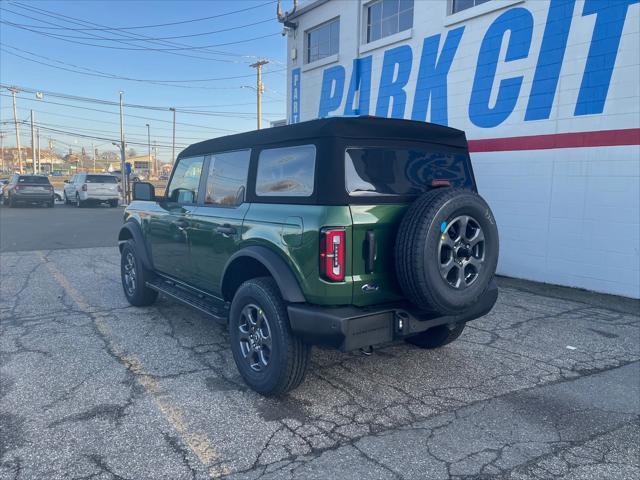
<point x="386" y="17"/>
<point x="323" y="41"/>
<point x="459" y="5"/>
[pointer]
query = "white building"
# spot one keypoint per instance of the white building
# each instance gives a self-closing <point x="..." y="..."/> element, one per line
<point x="548" y="92"/>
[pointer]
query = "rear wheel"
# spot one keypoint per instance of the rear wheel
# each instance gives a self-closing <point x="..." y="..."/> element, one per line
<point x="270" y="358"/>
<point x="437" y="337"/>
<point x="134" y="276"/>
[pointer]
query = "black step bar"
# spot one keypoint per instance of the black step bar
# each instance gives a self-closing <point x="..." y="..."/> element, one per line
<point x="201" y="301"/>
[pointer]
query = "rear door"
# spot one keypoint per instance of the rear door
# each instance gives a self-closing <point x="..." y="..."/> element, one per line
<point x="216" y="227"/>
<point x="382" y="181"/>
<point x="170" y="224"/>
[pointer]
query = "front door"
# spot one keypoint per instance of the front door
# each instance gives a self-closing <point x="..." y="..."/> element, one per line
<point x="170" y="223"/>
<point x="216" y="225"/>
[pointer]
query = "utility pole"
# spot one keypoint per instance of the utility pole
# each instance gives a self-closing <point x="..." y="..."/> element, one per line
<point x="13" y="91"/>
<point x="2" y="152"/>
<point x="123" y="167"/>
<point x="173" y="144"/>
<point x="149" y="165"/>
<point x="93" y="154"/>
<point x="33" y="144"/>
<point x="259" y="88"/>
<point x="155" y="158"/>
<point x="38" y="150"/>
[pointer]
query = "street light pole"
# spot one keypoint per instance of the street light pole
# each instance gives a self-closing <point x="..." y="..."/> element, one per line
<point x="173" y="144"/>
<point x="123" y="169"/>
<point x="13" y="91"/>
<point x="259" y="88"/>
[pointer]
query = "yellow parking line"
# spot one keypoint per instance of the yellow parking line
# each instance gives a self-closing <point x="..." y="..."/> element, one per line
<point x="198" y="442"/>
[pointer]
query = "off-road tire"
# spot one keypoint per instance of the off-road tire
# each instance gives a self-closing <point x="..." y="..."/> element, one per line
<point x="141" y="295"/>
<point x="436" y="337"/>
<point x="417" y="250"/>
<point x="289" y="356"/>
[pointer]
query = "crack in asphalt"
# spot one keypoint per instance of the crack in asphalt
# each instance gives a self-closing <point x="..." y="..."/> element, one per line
<point x="348" y="405"/>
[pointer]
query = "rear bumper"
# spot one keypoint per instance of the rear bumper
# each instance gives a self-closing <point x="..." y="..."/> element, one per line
<point x="32" y="197"/>
<point x="349" y="328"/>
<point x="98" y="197"/>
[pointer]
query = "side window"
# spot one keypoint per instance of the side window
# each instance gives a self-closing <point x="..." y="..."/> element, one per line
<point x="227" y="179"/>
<point x="183" y="188"/>
<point x="286" y="172"/>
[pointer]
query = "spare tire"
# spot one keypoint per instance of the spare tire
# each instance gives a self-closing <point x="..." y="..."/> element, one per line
<point x="446" y="250"/>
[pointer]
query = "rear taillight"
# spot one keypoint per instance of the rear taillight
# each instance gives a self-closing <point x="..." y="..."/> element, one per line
<point x="332" y="254"/>
<point x="84" y="187"/>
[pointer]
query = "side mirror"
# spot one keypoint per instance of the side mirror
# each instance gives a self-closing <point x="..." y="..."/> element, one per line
<point x="144" y="191"/>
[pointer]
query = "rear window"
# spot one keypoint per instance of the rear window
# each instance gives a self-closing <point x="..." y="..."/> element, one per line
<point x="33" y="179"/>
<point x="101" y="179"/>
<point x="286" y="172"/>
<point x="379" y="171"/>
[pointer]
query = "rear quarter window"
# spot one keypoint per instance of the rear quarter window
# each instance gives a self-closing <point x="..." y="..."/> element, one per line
<point x="286" y="172"/>
<point x="380" y="171"/>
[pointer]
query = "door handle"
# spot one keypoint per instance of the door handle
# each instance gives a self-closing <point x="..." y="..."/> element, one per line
<point x="181" y="224"/>
<point x="226" y="229"/>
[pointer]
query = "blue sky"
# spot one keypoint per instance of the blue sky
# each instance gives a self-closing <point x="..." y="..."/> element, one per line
<point x="64" y="28"/>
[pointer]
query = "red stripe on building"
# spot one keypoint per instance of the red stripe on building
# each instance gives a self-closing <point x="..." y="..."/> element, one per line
<point x="606" y="138"/>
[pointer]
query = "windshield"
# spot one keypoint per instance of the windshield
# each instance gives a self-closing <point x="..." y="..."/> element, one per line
<point x="402" y="171"/>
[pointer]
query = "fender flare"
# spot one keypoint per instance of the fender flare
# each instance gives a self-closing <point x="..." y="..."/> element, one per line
<point x="279" y="270"/>
<point x="131" y="230"/>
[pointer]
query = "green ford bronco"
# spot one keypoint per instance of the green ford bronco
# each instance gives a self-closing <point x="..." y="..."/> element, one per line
<point x="340" y="232"/>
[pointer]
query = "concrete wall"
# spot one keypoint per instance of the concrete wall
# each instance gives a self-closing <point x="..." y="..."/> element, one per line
<point x="554" y="132"/>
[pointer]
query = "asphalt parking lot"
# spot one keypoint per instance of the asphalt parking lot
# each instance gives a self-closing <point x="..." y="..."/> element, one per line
<point x="546" y="386"/>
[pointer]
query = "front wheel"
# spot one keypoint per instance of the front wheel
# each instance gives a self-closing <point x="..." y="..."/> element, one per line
<point x="134" y="276"/>
<point x="270" y="358"/>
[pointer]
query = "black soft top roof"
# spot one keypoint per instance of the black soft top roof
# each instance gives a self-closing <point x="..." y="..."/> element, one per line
<point x="338" y="127"/>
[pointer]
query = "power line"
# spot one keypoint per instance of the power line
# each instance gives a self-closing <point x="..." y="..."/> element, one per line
<point x="66" y="38"/>
<point x="128" y="36"/>
<point x="76" y="98"/>
<point x="207" y="127"/>
<point x="109" y="75"/>
<point x="271" y="2"/>
<point x="114" y="39"/>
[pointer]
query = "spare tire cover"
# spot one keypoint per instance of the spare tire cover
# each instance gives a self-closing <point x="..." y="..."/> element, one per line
<point x="446" y="250"/>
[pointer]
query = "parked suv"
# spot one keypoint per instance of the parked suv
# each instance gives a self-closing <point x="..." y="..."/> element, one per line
<point x="28" y="189"/>
<point x="342" y="232"/>
<point x="84" y="188"/>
